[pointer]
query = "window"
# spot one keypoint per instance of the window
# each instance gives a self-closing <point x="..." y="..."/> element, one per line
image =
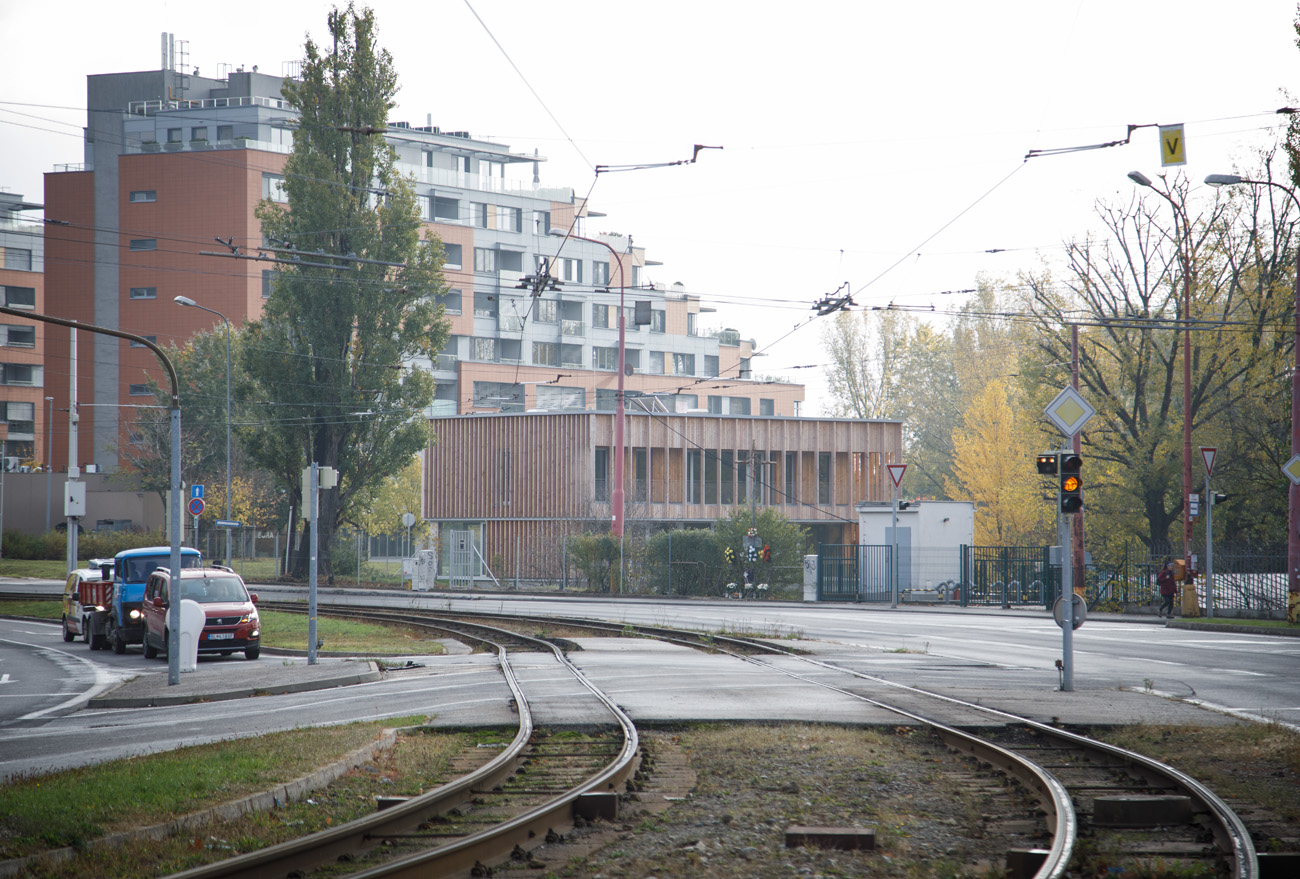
<point x="485" y="260"/>
<point x="541" y="222"/>
<point x="738" y="405"/>
<point x="640" y="475"/>
<point x="571" y="355"/>
<point x="711" y="365"/>
<point x="510" y="261"/>
<point x="144" y="292"/>
<point x="547" y="311"/>
<point x="173" y="135"/>
<point x="18" y="259"/>
<point x="728" y="474"/>
<point x="690" y="323"/>
<point x="766" y="406"/>
<point x="602" y="473"/>
<point x="600" y="316"/>
<point x="791" y="478"/>
<point x="657" y="320"/>
<point x="450" y="301"/>
<point x="483" y="349"/>
<point x="656" y="363"/>
<point x="715" y="405"/>
<point x="510" y="219"/>
<point x="823" y="477"/>
<point x="710" y="477"/>
<point x="683" y="364"/>
<point x="19" y="337"/>
<point x="225" y="132"/>
<point x="199" y="133"/>
<point x="604" y="358"/>
<point x="600" y="273"/>
<point x="140" y="391"/>
<point x="452" y="252"/>
<point x="20" y="297"/>
<point x="21" y="417"/>
<point x="569" y="270"/>
<point x="512" y="315"/>
<point x="139" y="195"/>
<point x="273" y="188"/>
<point x="694" y="476"/>
<point x="267" y="276"/>
<point x="20" y="373"/>
<point x="445" y="210"/>
<point x="509" y="350"/>
<point x="485" y="305"/>
<point x="546" y="354"/>
<point x="144" y="243"/>
<point x="556" y="397"/>
<point x="632" y="358"/>
<point x="499" y="395"/>
<point x="135" y="344"/>
<point x="478" y="214"/>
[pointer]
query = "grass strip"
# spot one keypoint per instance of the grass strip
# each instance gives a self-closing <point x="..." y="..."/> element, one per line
<point x="74" y="806"/>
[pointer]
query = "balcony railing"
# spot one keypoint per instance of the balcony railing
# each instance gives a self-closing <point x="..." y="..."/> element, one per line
<point x="573" y="328"/>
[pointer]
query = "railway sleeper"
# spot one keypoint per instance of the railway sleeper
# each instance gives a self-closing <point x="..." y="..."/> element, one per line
<point x="1142" y="811"/>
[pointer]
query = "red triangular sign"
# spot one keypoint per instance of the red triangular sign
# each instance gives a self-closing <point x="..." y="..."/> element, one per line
<point x="896" y="472"/>
<point x="1207" y="454"/>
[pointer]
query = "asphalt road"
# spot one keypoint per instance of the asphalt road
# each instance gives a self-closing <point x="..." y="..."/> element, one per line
<point x="997" y="657"/>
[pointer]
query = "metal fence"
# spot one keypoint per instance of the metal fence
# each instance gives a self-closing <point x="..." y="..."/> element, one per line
<point x="1008" y="575"/>
<point x="852" y="572"/>
<point x="1246" y="579"/>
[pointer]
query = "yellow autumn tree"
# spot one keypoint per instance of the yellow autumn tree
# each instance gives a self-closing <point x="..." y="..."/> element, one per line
<point x="993" y="465"/>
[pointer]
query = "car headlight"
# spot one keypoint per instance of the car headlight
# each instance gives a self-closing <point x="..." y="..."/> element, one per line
<point x="135" y="615"/>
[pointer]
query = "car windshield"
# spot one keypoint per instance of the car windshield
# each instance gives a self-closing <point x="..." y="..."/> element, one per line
<point x="138" y="570"/>
<point x="212" y="589"/>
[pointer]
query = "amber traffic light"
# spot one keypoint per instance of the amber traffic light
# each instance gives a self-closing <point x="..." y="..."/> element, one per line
<point x="1071" y="466"/>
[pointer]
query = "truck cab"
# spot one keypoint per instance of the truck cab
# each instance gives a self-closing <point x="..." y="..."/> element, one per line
<point x="87" y="594"/>
<point x="131" y="570"/>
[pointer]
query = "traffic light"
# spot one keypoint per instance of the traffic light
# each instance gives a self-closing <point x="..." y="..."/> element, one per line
<point x="1217" y="498"/>
<point x="1071" y="483"/>
<point x="1047" y="464"/>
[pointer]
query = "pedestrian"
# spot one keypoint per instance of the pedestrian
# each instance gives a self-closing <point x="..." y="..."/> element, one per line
<point x="1168" y="586"/>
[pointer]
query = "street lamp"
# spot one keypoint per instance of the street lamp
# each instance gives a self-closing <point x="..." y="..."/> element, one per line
<point x="617" y="500"/>
<point x="1185" y="259"/>
<point x="1293" y="493"/>
<point x="187" y="301"/>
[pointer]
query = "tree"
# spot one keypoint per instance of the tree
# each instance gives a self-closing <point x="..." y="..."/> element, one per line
<point x="338" y="328"/>
<point x="1126" y="290"/>
<point x="993" y="466"/>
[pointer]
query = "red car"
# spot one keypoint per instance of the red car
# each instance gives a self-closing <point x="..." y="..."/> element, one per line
<point x="232" y="622"/>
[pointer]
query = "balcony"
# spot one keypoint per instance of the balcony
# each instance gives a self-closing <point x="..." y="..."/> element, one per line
<point x="445" y="363"/>
<point x="573" y="328"/>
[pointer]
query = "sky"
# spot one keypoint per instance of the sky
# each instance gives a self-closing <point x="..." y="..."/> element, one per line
<point x="878" y="144"/>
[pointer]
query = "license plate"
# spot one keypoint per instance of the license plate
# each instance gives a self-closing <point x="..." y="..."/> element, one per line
<point x="220" y="636"/>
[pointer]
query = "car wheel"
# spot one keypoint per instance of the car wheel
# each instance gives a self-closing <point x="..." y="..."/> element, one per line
<point x="119" y="643"/>
<point x="252" y="652"/>
<point x="85" y="632"/>
<point x="226" y="652"/>
<point x="97" y="641"/>
<point x="150" y="651"/>
<point x="67" y="633"/>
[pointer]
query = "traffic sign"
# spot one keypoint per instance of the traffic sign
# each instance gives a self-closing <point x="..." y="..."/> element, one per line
<point x="196" y="490"/>
<point x="1173" y="145"/>
<point x="1078" y="611"/>
<point x="896" y="472"/>
<point x="227" y="523"/>
<point x="196" y="506"/>
<point x="1207" y="455"/>
<point x="1069" y="411"/>
<point x="1292" y="469"/>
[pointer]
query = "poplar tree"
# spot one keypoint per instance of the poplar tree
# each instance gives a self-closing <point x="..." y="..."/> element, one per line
<point x="329" y="358"/>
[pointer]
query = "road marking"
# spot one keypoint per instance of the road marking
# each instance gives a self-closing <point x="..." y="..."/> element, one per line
<point x="4" y="679"/>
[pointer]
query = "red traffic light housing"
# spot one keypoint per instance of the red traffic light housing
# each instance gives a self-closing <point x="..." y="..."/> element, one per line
<point x="1047" y="463"/>
<point x="1071" y="466"/>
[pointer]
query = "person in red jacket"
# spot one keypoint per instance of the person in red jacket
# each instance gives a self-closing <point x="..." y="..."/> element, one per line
<point x="1168" y="587"/>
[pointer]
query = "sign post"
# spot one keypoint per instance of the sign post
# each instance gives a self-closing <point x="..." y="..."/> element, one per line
<point x="896" y="472"/>
<point x="1207" y="455"/>
<point x="1069" y="411"/>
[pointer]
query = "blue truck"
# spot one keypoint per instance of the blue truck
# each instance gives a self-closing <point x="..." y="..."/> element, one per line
<point x="123" y="622"/>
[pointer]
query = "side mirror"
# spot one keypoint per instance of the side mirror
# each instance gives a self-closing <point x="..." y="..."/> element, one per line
<point x="158" y="602"/>
<point x="252" y="596"/>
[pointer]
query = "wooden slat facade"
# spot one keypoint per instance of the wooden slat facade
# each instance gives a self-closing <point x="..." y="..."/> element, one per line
<point x="531" y="479"/>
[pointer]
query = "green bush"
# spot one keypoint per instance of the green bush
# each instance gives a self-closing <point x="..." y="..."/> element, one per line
<point x="53" y="545"/>
<point x="695" y="566"/>
<point x="596" y="556"/>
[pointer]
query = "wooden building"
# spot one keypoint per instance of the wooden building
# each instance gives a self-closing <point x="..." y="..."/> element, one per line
<point x="520" y="483"/>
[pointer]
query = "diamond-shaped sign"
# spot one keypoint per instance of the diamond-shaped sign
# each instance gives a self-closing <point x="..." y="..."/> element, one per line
<point x="1292" y="469"/>
<point x="1069" y="411"/>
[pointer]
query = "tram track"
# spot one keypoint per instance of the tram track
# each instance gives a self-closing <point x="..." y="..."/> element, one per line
<point x="538" y="782"/>
<point x="1115" y="799"/>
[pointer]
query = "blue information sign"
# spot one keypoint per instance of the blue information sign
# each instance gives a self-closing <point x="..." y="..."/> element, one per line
<point x="196" y="490"/>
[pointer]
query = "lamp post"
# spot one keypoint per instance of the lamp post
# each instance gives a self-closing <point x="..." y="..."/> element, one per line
<point x="187" y="301"/>
<point x="617" y="500"/>
<point x="49" y="459"/>
<point x="1185" y="259"/>
<point x="1293" y="493"/>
